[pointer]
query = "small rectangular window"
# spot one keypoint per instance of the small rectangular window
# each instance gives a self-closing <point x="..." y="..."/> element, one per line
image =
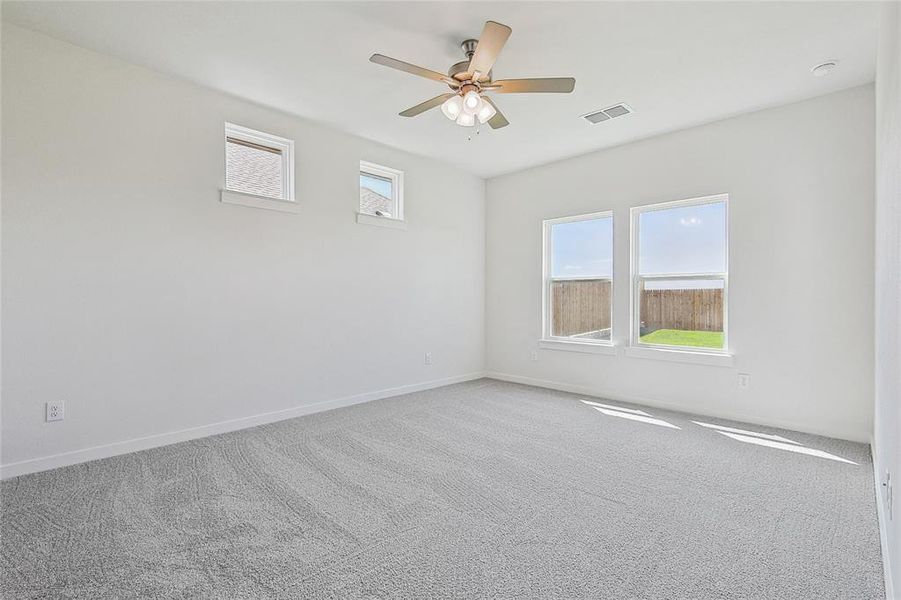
<point x="680" y="274"/>
<point x="258" y="163"/>
<point x="381" y="191"/>
<point x="578" y="278"/>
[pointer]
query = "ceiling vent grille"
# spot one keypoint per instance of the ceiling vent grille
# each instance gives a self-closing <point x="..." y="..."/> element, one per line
<point x="605" y="114"/>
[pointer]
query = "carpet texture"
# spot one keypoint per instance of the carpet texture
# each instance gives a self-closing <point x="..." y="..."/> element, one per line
<point x="477" y="490"/>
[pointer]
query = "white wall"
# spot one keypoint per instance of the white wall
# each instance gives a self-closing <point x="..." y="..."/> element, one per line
<point x="801" y="291"/>
<point x="133" y="294"/>
<point x="888" y="283"/>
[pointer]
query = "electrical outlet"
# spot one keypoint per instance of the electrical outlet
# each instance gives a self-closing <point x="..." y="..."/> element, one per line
<point x="744" y="380"/>
<point x="56" y="411"/>
<point x="428" y="358"/>
<point x="534" y="354"/>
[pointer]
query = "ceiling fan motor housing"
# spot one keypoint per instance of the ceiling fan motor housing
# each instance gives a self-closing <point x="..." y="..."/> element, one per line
<point x="460" y="72"/>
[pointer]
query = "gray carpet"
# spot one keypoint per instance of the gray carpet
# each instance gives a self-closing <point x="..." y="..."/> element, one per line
<point x="483" y="489"/>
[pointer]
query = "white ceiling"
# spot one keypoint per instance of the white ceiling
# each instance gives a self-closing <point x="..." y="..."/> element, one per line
<point x="677" y="64"/>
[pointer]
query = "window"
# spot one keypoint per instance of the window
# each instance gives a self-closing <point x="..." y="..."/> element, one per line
<point x="259" y="167"/>
<point x="578" y="279"/>
<point x="381" y="194"/>
<point x="680" y="276"/>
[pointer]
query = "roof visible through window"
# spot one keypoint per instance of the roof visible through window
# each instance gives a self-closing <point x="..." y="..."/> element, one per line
<point x="253" y="169"/>
<point x="376" y="195"/>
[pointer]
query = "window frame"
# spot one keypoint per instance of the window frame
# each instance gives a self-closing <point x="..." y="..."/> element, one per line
<point x="547" y="340"/>
<point x="396" y="176"/>
<point x="285" y="147"/>
<point x="636" y="278"/>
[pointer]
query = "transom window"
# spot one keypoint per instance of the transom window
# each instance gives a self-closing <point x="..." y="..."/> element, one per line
<point x="381" y="191"/>
<point x="258" y="163"/>
<point x="578" y="278"/>
<point x="680" y="275"/>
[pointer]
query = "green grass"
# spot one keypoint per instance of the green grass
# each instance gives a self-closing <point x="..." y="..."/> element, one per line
<point x="674" y="337"/>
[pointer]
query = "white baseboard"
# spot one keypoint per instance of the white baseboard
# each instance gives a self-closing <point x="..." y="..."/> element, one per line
<point x="883" y="522"/>
<point x="163" y="439"/>
<point x="674" y="406"/>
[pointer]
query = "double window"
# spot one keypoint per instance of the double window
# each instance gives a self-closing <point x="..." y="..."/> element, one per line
<point x="679" y="277"/>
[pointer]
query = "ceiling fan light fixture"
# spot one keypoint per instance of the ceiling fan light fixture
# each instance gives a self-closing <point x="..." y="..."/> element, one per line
<point x="467" y="79"/>
<point x="486" y="111"/>
<point x="472" y="102"/>
<point x="452" y="107"/>
<point x="466" y="120"/>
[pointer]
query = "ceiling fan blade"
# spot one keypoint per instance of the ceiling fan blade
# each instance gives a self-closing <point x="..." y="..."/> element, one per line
<point x="387" y="61"/>
<point x="498" y="120"/>
<point x="558" y="85"/>
<point x="493" y="38"/>
<point x="427" y="105"/>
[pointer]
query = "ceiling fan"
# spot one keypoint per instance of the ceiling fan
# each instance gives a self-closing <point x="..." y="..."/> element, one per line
<point x="471" y="79"/>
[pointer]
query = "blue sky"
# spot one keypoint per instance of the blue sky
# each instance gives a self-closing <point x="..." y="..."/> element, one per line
<point x="689" y="239"/>
<point x="582" y="248"/>
<point x="379" y="186"/>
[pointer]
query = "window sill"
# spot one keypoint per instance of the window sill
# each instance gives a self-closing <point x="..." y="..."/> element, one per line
<point x="713" y="359"/>
<point x="254" y="201"/>
<point x="585" y="347"/>
<point x="365" y="219"/>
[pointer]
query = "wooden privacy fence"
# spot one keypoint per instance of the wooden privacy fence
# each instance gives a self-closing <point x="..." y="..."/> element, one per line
<point x="688" y="310"/>
<point x="583" y="305"/>
<point x="579" y="306"/>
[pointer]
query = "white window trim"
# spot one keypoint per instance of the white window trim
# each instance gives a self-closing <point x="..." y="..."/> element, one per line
<point x="638" y="349"/>
<point x="676" y="354"/>
<point x="287" y="202"/>
<point x="587" y="347"/>
<point x="551" y="342"/>
<point x="367" y="219"/>
<point x="397" y="186"/>
<point x="254" y="201"/>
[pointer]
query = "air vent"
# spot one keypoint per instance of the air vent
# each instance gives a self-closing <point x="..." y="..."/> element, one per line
<point x="605" y="114"/>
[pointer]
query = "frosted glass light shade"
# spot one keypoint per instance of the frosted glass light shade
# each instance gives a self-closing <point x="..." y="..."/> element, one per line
<point x="452" y="107"/>
<point x="466" y="120"/>
<point x="486" y="112"/>
<point x="472" y="102"/>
